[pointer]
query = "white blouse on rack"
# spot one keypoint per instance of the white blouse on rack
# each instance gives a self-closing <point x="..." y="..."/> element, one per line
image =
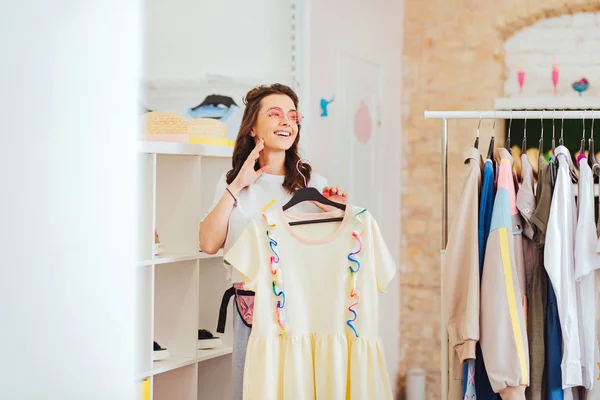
<point x="587" y="261"/>
<point x="559" y="261"/>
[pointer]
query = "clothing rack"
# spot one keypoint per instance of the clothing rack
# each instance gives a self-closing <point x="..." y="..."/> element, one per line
<point x="479" y="115"/>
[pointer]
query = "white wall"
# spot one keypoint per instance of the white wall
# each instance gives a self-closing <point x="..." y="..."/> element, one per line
<point x="349" y="40"/>
<point x="573" y="39"/>
<point x="187" y="39"/>
<point x="69" y="77"/>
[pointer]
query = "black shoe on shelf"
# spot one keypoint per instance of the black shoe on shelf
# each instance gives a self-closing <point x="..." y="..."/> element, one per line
<point x="207" y="340"/>
<point x="159" y="353"/>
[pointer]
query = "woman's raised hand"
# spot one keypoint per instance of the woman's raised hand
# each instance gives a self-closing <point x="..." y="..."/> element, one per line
<point x="247" y="175"/>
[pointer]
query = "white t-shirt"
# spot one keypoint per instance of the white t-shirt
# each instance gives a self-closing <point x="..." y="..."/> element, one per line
<point x="559" y="260"/>
<point x="594" y="393"/>
<point x="251" y="201"/>
<point x="586" y="262"/>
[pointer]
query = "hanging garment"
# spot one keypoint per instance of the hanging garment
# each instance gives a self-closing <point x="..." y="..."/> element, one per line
<point x="559" y="260"/>
<point x="536" y="304"/>
<point x="554" y="345"/>
<point x="586" y="263"/>
<point x="526" y="207"/>
<point x="250" y="202"/>
<point x="594" y="393"/>
<point x="503" y="331"/>
<point x="461" y="276"/>
<point x="483" y="388"/>
<point x="553" y="339"/>
<point x="315" y="325"/>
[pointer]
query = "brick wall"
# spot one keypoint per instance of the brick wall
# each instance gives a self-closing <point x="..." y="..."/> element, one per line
<point x="573" y="40"/>
<point x="453" y="59"/>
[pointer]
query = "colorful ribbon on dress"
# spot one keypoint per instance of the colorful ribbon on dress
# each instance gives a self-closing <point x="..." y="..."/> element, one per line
<point x="354" y="274"/>
<point x="277" y="282"/>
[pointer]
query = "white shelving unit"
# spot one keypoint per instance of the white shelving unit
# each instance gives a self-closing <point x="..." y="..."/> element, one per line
<point x="180" y="291"/>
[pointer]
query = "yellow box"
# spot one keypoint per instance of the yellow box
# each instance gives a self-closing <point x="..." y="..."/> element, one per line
<point x="145" y="389"/>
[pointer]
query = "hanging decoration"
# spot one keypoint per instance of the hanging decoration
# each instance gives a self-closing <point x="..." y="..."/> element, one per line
<point x="581" y="86"/>
<point x="324" y="103"/>
<point x="521" y="76"/>
<point x="555" y="74"/>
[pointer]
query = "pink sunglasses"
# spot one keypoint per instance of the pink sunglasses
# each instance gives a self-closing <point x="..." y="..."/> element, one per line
<point x="278" y="115"/>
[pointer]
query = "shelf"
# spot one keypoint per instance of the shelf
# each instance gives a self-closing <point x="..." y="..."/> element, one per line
<point x="548" y="103"/>
<point x="208" y="354"/>
<point x="173" y="258"/>
<point x="171" y="363"/>
<point x="184" y="149"/>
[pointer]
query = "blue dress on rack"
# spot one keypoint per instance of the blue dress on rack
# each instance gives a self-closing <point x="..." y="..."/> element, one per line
<point x="483" y="388"/>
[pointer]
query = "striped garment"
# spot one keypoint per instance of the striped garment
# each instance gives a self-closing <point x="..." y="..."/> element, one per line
<point x="503" y="331"/>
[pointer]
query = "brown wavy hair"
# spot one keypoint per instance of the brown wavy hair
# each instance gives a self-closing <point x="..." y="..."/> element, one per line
<point x="244" y="143"/>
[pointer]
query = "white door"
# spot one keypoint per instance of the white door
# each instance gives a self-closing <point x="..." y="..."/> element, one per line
<point x="358" y="162"/>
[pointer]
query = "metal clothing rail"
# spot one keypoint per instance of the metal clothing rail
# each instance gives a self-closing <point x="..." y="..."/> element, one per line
<point x="445" y="116"/>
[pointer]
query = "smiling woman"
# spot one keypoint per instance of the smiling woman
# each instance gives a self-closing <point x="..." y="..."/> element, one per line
<point x="271" y="115"/>
<point x="263" y="173"/>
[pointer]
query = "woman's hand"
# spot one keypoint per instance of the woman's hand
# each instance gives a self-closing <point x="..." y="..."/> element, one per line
<point x="247" y="175"/>
<point x="334" y="194"/>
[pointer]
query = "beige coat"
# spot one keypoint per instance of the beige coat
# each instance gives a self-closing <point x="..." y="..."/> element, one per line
<point x="460" y="275"/>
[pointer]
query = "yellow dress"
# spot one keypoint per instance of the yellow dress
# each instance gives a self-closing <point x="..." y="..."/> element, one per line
<point x="315" y="327"/>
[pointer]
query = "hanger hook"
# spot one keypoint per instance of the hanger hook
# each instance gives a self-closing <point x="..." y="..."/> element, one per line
<point x="543" y="111"/>
<point x="553" y="126"/>
<point x="300" y="172"/>
<point x="478" y="125"/>
<point x="525" y="128"/>
<point x="562" y="128"/>
<point x="583" y="123"/>
<point x="494" y="125"/>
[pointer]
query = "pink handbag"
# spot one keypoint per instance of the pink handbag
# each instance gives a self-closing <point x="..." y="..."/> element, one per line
<point x="244" y="301"/>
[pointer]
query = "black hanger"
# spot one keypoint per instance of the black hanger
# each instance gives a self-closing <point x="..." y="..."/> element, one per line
<point x="216" y="100"/>
<point x="490" y="152"/>
<point x="582" y="145"/>
<point x="476" y="144"/>
<point x="572" y="170"/>
<point x="507" y="143"/>
<point x="541" y="144"/>
<point x="553" y="131"/>
<point x="311" y="194"/>
<point x="561" y="141"/>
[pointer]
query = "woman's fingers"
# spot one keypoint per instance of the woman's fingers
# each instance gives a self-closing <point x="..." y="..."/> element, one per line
<point x="262" y="170"/>
<point x="255" y="152"/>
<point x="333" y="191"/>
